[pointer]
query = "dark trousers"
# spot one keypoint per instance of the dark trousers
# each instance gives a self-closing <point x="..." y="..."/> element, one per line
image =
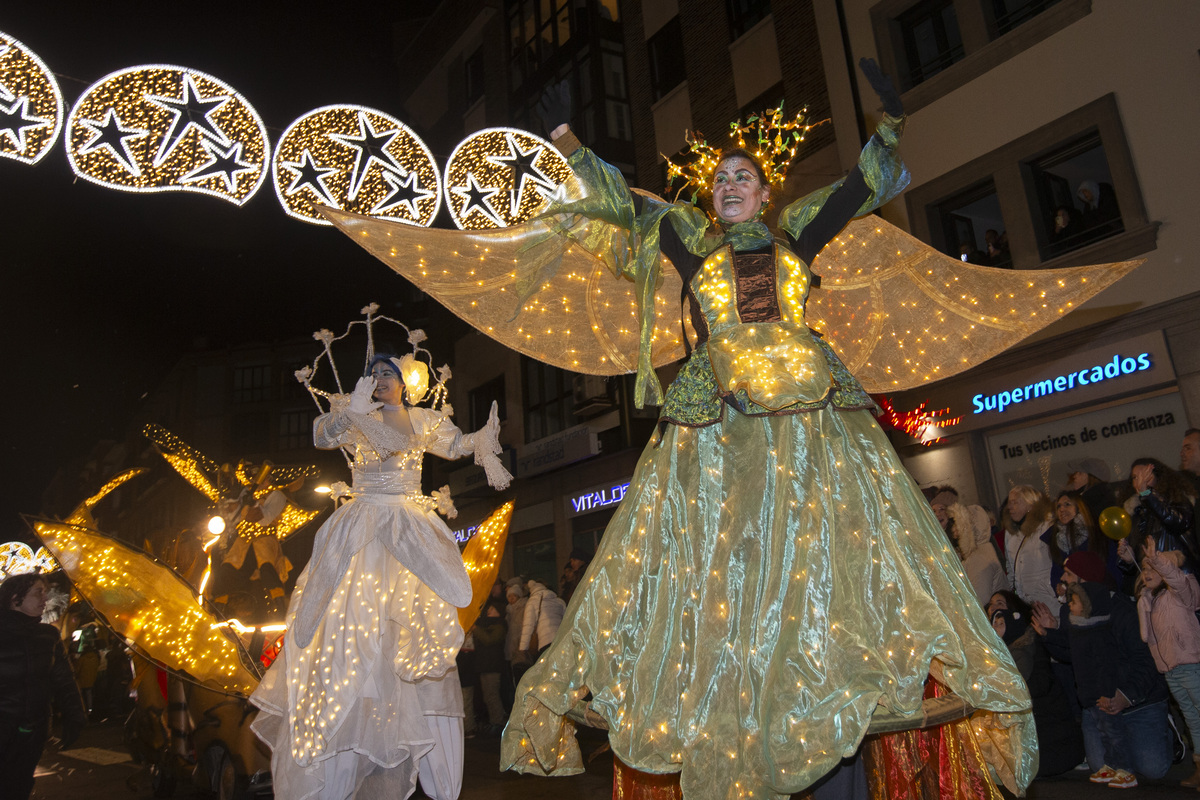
<point x="19" y="754"/>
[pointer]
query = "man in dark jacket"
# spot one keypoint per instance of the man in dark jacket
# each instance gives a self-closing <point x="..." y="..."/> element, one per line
<point x="1124" y="697"/>
<point x="33" y="671"/>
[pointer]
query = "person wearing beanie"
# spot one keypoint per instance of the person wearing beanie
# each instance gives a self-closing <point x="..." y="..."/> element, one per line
<point x="1085" y="566"/>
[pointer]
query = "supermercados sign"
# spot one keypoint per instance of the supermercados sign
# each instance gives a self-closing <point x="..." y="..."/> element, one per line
<point x="1052" y="382"/>
<point x="1119" y="365"/>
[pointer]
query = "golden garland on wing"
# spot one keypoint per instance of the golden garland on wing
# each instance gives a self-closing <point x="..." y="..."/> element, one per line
<point x="481" y="557"/>
<point x="773" y="139"/>
<point x="160" y="128"/>
<point x="30" y="97"/>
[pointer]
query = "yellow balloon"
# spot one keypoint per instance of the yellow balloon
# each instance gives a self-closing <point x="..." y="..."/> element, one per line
<point x="1115" y="522"/>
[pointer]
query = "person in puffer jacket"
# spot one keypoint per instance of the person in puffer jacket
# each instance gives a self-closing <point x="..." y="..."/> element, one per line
<point x="34" y="671"/>
<point x="1168" y="599"/>
<point x="971" y="533"/>
<point x="543" y="614"/>
<point x="1123" y="696"/>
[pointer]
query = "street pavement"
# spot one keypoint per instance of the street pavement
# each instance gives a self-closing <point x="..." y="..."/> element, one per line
<point x="99" y="768"/>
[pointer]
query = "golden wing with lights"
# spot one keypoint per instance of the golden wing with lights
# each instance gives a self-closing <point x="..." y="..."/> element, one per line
<point x="481" y="557"/>
<point x="578" y="316"/>
<point x="901" y="314"/>
<point x="150" y="606"/>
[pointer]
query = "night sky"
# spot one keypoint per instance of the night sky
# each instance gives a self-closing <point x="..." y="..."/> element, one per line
<point x="104" y="290"/>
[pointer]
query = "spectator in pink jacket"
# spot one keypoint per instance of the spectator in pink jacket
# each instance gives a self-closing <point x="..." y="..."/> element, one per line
<point x="1167" y="601"/>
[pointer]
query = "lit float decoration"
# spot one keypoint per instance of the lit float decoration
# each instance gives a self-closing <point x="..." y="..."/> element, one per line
<point x="925" y="426"/>
<point x="482" y="559"/>
<point x="501" y="176"/>
<point x="162" y="128"/>
<point x="355" y="159"/>
<point x="235" y="491"/>
<point x="31" y="104"/>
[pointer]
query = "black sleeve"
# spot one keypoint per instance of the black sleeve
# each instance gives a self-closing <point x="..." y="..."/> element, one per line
<point x="839" y="209"/>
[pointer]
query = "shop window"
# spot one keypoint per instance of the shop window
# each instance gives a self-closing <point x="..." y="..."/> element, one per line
<point x="665" y="52"/>
<point x="548" y="399"/>
<point x="609" y="10"/>
<point x="481" y="399"/>
<point x="745" y="14"/>
<point x="295" y="429"/>
<point x="1077" y="204"/>
<point x="931" y="38"/>
<point x="972" y="227"/>
<point x="933" y="47"/>
<point x="251" y="384"/>
<point x="1032" y="192"/>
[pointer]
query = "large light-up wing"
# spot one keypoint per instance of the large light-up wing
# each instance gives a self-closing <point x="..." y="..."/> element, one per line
<point x="150" y="606"/>
<point x="481" y="557"/>
<point x="579" y="317"/>
<point x="900" y="314"/>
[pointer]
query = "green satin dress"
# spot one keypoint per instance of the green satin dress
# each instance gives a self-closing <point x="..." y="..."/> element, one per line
<point x="773" y="578"/>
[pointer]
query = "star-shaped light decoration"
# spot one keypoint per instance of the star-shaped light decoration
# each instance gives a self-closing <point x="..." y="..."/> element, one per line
<point x="308" y="175"/>
<point x="355" y="159"/>
<point x="501" y="176"/>
<point x="405" y="190"/>
<point x="162" y="128"/>
<point x="31" y="104"/>
<point x="109" y="134"/>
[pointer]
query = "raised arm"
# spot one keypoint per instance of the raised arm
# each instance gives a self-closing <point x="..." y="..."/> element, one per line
<point x="879" y="175"/>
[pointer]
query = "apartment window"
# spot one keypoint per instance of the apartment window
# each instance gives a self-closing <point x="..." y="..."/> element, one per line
<point x="1062" y="195"/>
<point x="481" y="398"/>
<point x="745" y="14"/>
<point x="1008" y="14"/>
<point x="931" y="38"/>
<point x="933" y="47"/>
<point x="1076" y="202"/>
<point x="295" y="429"/>
<point x="473" y="76"/>
<point x="251" y="384"/>
<point x="972" y="227"/>
<point x="665" y="52"/>
<point x="549" y="400"/>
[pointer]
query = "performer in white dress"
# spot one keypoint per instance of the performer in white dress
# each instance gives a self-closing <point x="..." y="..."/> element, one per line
<point x="364" y="696"/>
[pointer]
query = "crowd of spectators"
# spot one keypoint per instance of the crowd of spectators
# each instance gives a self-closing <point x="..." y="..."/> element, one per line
<point x="1094" y="592"/>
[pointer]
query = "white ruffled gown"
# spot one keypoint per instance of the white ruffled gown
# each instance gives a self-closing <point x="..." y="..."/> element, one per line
<point x="364" y="695"/>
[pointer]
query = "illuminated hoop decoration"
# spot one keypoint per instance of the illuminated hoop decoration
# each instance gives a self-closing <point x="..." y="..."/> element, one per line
<point x="499" y="177"/>
<point x="415" y="367"/>
<point x="31" y="104"/>
<point x="168" y="129"/>
<point x="355" y="159"/>
<point x="18" y="558"/>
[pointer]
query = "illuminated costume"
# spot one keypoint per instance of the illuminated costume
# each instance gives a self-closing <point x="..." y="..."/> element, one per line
<point x="365" y="695"/>
<point x="773" y="581"/>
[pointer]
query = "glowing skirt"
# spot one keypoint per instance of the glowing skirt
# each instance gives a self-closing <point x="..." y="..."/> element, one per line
<point x="767" y="585"/>
<point x="345" y="715"/>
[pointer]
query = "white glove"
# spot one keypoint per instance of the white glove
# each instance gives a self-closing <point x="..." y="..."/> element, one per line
<point x="360" y="398"/>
